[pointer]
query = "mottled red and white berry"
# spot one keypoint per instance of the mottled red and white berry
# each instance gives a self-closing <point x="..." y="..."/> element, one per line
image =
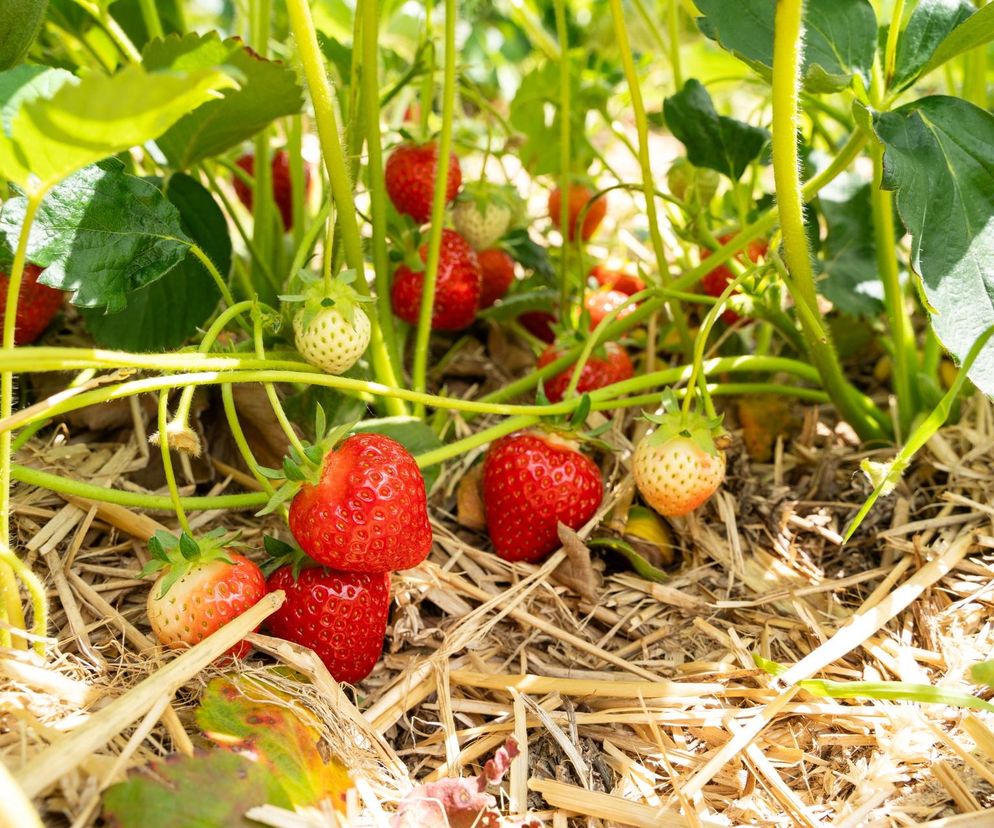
<point x="342" y="616"/>
<point x="368" y="512"/>
<point x="677" y="476"/>
<point x="531" y="483"/>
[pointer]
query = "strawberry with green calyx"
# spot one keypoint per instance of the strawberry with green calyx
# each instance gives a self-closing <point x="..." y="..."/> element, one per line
<point x="607" y="364"/>
<point x="331" y="330"/>
<point x="679" y="464"/>
<point x="532" y="482"/>
<point x="341" y="616"/>
<point x="357" y="503"/>
<point x="409" y="175"/>
<point x="202" y="585"/>
<point x="484" y="212"/>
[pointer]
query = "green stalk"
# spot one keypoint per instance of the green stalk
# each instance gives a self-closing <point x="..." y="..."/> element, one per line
<point x="264" y="214"/>
<point x="374" y="151"/>
<point x="167" y="462"/>
<point x="786" y="168"/>
<point x="150" y="14"/>
<point x="427" y="96"/>
<point x="298" y="180"/>
<point x="648" y="181"/>
<point x="893" y="33"/>
<point x="673" y="24"/>
<point x="565" y="114"/>
<point x="219" y="280"/>
<point x="302" y="25"/>
<point x="905" y="352"/>
<point x="419" y="372"/>
<point x="231" y="414"/>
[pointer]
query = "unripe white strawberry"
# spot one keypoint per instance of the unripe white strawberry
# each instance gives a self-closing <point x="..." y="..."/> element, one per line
<point x="331" y="330"/>
<point x="484" y="212"/>
<point x="677" y="467"/>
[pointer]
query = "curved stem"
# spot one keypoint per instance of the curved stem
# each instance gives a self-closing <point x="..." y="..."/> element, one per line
<point x="36" y="592"/>
<point x="167" y="462"/>
<point x="270" y="388"/>
<point x="420" y="368"/>
<point x="893" y="33"/>
<point x="786" y="170"/>
<point x="150" y="15"/>
<point x="231" y="414"/>
<point x="219" y="280"/>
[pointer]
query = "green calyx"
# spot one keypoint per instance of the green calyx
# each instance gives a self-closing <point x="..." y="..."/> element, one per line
<point x="316" y="298"/>
<point x="674" y="424"/>
<point x="297" y="468"/>
<point x="283" y="554"/>
<point x="177" y="555"/>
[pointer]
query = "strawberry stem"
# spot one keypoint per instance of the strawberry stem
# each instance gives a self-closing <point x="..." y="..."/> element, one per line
<point x="565" y="173"/>
<point x="270" y="388"/>
<point x="167" y="461"/>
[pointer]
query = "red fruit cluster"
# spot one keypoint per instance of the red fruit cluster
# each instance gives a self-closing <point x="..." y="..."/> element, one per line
<point x="715" y="282"/>
<point x="37" y="305"/>
<point x="457" y="288"/>
<point x="282" y="184"/>
<point x="531" y="483"/>
<point x="410" y="179"/>
<point x="599" y="371"/>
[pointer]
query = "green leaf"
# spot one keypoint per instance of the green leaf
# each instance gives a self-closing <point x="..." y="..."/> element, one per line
<point x="51" y="138"/>
<point x="930" y="23"/>
<point x="188" y="289"/>
<point x="412" y="434"/>
<point x="851" y="279"/>
<point x="983" y="673"/>
<point x="26" y="83"/>
<point x="840" y="37"/>
<point x="234" y="714"/>
<point x="939" y="157"/>
<point x="101" y="234"/>
<point x="712" y="140"/>
<point x="975" y="31"/>
<point x="895" y="691"/>
<point x="20" y="21"/>
<point x="267" y="90"/>
<point x="172" y="793"/>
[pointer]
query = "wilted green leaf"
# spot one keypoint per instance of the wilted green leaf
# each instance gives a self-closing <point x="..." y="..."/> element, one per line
<point x="101" y="234"/>
<point x="712" y="140"/>
<point x="939" y="157"/>
<point x="267" y="90"/>
<point x="840" y="37"/>
<point x="930" y="23"/>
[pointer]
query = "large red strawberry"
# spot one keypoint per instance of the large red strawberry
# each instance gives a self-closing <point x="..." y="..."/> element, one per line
<point x="715" y="281"/>
<point x="457" y="289"/>
<point x="342" y="616"/>
<point x="627" y="283"/>
<point x="201" y="587"/>
<point x="37" y="305"/>
<point x="282" y="184"/>
<point x="577" y="199"/>
<point x="605" y="366"/>
<point x="531" y="483"/>
<point x="497" y="272"/>
<point x="599" y="303"/>
<point x="367" y="512"/>
<point x="410" y="179"/>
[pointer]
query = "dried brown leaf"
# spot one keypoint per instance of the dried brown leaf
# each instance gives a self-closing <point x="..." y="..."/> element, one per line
<point x="469" y="500"/>
<point x="577" y="572"/>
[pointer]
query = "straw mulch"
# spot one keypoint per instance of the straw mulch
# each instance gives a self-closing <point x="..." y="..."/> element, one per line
<point x="638" y="703"/>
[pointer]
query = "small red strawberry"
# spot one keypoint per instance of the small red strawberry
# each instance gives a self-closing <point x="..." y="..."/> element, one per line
<point x="410" y="179"/>
<point x="607" y="367"/>
<point x="678" y="467"/>
<point x="457" y="289"/>
<point x="715" y="282"/>
<point x="367" y="511"/>
<point x="37" y="305"/>
<point x="497" y="271"/>
<point x="539" y="324"/>
<point x="627" y="283"/>
<point x="282" y="186"/>
<point x="202" y="586"/>
<point x="599" y="303"/>
<point x="342" y="616"/>
<point x="578" y="198"/>
<point x="531" y="483"/>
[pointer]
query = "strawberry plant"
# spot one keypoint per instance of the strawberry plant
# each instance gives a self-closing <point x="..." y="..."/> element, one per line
<point x="394" y="281"/>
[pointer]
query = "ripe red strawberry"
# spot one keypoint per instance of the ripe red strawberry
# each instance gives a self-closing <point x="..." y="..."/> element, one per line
<point x="342" y="616"/>
<point x="677" y="467"/>
<point x="539" y="324"/>
<point x="715" y="282"/>
<point x="457" y="289"/>
<point x="599" y="303"/>
<point x="578" y="197"/>
<point x="497" y="271"/>
<point x="37" y="305"/>
<point x="202" y="587"/>
<point x="531" y="483"/>
<point x="627" y="283"/>
<point x="609" y="366"/>
<point x="282" y="186"/>
<point x="368" y="511"/>
<point x="410" y="179"/>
